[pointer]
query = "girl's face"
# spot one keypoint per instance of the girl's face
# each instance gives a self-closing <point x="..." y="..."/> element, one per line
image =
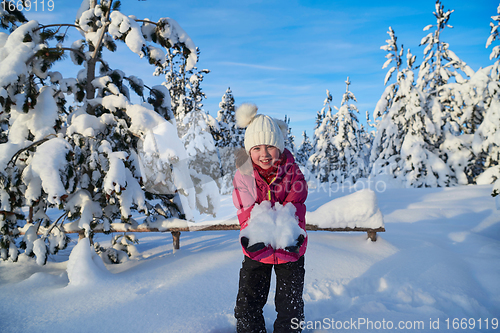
<point x="264" y="156"/>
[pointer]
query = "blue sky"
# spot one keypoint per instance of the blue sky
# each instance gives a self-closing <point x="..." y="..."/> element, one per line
<point x="282" y="55"/>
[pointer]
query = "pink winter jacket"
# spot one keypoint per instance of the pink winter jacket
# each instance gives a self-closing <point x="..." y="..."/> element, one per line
<point x="289" y="186"/>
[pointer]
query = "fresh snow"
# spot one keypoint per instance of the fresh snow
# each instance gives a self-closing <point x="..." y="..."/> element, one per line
<point x="438" y="259"/>
<point x="358" y="209"/>
<point x="276" y="226"/>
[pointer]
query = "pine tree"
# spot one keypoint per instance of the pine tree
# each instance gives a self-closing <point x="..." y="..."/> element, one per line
<point x="194" y="124"/>
<point x="486" y="142"/>
<point x="351" y="163"/>
<point x="389" y="114"/>
<point x="289" y="142"/>
<point x="439" y="63"/>
<point x="230" y="134"/>
<point x="320" y="115"/>
<point x="325" y="156"/>
<point x="103" y="156"/>
<point x="230" y="139"/>
<point x="203" y="160"/>
<point x="440" y="77"/>
<point x="403" y="147"/>
<point x="305" y="150"/>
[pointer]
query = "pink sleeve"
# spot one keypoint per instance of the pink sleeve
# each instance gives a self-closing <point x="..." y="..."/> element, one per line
<point x="244" y="196"/>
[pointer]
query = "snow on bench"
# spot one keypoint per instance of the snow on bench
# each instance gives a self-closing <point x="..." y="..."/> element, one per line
<point x="354" y="212"/>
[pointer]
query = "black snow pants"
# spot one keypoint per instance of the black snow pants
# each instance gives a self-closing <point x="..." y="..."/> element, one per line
<point x="255" y="280"/>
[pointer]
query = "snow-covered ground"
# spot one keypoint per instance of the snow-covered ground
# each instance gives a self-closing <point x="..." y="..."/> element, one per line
<point x="438" y="260"/>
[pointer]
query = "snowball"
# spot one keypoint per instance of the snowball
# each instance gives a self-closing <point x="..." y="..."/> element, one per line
<point x="277" y="226"/>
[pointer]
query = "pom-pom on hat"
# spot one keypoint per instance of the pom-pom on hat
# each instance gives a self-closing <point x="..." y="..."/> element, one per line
<point x="261" y="129"/>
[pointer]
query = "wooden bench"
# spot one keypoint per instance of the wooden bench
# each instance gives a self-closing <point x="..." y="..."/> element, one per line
<point x="176" y="232"/>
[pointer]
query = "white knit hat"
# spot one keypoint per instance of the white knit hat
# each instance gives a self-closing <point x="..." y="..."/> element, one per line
<point x="261" y="129"/>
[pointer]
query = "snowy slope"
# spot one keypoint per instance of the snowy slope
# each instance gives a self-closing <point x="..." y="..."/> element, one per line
<point x="439" y="259"/>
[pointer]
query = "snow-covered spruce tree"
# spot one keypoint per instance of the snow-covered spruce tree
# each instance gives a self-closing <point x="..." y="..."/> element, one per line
<point x="229" y="139"/>
<point x="290" y="142"/>
<point x="305" y="150"/>
<point x="389" y="114"/>
<point x="230" y="134"/>
<point x="352" y="164"/>
<point x="439" y="77"/>
<point x="83" y="158"/>
<point x="203" y="160"/>
<point x="486" y="143"/>
<point x="403" y="145"/>
<point x="325" y="155"/>
<point x="183" y="81"/>
<point x="195" y="128"/>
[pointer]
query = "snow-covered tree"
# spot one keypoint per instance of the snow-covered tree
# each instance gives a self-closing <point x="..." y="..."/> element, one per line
<point x="403" y="146"/>
<point x="230" y="134"/>
<point x="325" y="155"/>
<point x="182" y="77"/>
<point x="183" y="81"/>
<point x="100" y="157"/>
<point x="440" y="77"/>
<point x="229" y="138"/>
<point x="203" y="160"/>
<point x="389" y="112"/>
<point x="305" y="150"/>
<point x="486" y="144"/>
<point x="352" y="164"/>
<point x="440" y="64"/>
<point x="290" y="142"/>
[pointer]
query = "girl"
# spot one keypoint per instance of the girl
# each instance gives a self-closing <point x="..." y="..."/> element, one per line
<point x="275" y="177"/>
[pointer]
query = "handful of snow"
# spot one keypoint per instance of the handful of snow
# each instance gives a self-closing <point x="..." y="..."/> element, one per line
<point x="359" y="209"/>
<point x="277" y="226"/>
